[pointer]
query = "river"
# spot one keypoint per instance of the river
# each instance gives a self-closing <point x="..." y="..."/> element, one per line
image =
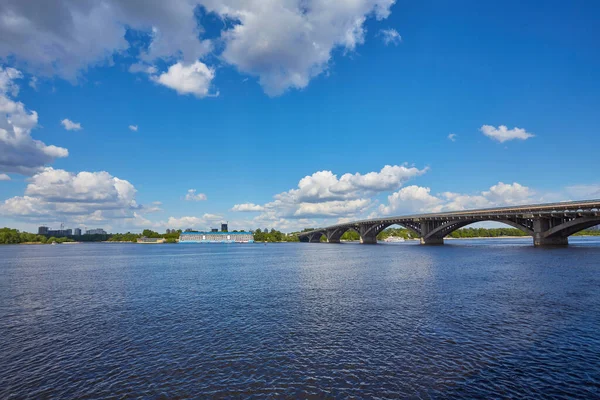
<point x="470" y="319"/>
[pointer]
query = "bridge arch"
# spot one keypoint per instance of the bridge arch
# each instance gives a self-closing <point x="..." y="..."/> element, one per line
<point x="335" y="235"/>
<point x="568" y="228"/>
<point x="447" y="228"/>
<point x="368" y="232"/>
<point x="377" y="229"/>
<point x="313" y="237"/>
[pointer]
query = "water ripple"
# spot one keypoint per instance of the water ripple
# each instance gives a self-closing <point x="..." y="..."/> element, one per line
<point x="466" y="320"/>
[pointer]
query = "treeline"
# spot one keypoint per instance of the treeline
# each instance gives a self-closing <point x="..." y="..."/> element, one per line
<point x="14" y="236"/>
<point x="486" y="232"/>
<point x="589" y="232"/>
<point x="171" y="236"/>
<point x="273" y="236"/>
<point x="351" y="235"/>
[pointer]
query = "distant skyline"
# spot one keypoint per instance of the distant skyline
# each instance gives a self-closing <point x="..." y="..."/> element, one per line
<point x="185" y="114"/>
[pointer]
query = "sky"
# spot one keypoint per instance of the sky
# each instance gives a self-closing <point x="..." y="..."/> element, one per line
<point x="291" y="114"/>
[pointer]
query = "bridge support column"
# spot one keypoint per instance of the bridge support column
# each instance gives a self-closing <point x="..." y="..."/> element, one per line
<point x="368" y="239"/>
<point x="432" y="240"/>
<point x="333" y="240"/>
<point x="551" y="241"/>
<point x="367" y="234"/>
<point x="315" y="237"/>
<point x="540" y="226"/>
<point x="426" y="227"/>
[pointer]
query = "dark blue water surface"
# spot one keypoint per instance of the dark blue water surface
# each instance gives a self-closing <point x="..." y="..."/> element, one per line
<point x="479" y="318"/>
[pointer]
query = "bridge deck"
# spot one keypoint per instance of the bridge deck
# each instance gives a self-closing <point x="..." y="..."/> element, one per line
<point x="550" y="209"/>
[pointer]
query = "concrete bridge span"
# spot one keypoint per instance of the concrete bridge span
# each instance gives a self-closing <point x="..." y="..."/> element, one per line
<point x="548" y="224"/>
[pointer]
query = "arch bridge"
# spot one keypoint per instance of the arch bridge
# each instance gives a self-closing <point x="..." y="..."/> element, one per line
<point x="548" y="224"/>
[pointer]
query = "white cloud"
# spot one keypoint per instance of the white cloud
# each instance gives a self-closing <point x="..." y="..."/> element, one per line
<point x="19" y="152"/>
<point x="322" y="196"/>
<point x="335" y="208"/>
<point x="390" y="36"/>
<point x="141" y="67"/>
<point x="154" y="208"/>
<point x="452" y="137"/>
<point x="285" y="43"/>
<point x="8" y="87"/>
<point x="503" y="134"/>
<point x="193" y="79"/>
<point x="247" y="207"/>
<point x="133" y="128"/>
<point x="4" y="177"/>
<point x="33" y="83"/>
<point x="55" y="194"/>
<point x="503" y="193"/>
<point x="193" y="196"/>
<point x="584" y="192"/>
<point x="201" y="223"/>
<point x="57" y="185"/>
<point x="410" y="199"/>
<point x="65" y="37"/>
<point x="325" y="185"/>
<point x="416" y="199"/>
<point x="70" y="125"/>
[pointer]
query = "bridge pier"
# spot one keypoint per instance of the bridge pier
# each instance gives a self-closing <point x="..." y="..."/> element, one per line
<point x="426" y="228"/>
<point x="368" y="234"/>
<point x="550" y="241"/>
<point x="368" y="239"/>
<point x="333" y="240"/>
<point x="432" y="240"/>
<point x="540" y="227"/>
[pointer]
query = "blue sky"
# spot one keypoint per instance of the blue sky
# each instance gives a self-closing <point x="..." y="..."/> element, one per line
<point x="284" y="114"/>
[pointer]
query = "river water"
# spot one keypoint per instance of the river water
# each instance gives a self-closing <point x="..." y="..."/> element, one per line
<point x="470" y="319"/>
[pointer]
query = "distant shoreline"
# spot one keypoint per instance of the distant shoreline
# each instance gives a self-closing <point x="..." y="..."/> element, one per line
<point x="344" y="241"/>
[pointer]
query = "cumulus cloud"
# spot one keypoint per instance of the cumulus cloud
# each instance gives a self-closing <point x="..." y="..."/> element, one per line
<point x="285" y="43"/>
<point x="324" y="195"/>
<point x="70" y="125"/>
<point x="58" y="194"/>
<point x="193" y="79"/>
<point x="325" y="185"/>
<point x="133" y="128"/>
<point x="33" y="83"/>
<point x="413" y="199"/>
<point x="503" y="134"/>
<point x="19" y="152"/>
<point x="141" y="67"/>
<point x="452" y="137"/>
<point x="193" y="196"/>
<point x="583" y="192"/>
<point x="390" y="36"/>
<point x="247" y="207"/>
<point x="200" y="223"/>
<point x="332" y="208"/>
<point x="4" y="177"/>
<point x="65" y="37"/>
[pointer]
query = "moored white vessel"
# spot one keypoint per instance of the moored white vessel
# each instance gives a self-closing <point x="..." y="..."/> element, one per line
<point x="393" y="239"/>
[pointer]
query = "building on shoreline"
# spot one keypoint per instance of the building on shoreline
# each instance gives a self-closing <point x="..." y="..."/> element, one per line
<point x="44" y="230"/>
<point x="216" y="237"/>
<point x="98" y="231"/>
